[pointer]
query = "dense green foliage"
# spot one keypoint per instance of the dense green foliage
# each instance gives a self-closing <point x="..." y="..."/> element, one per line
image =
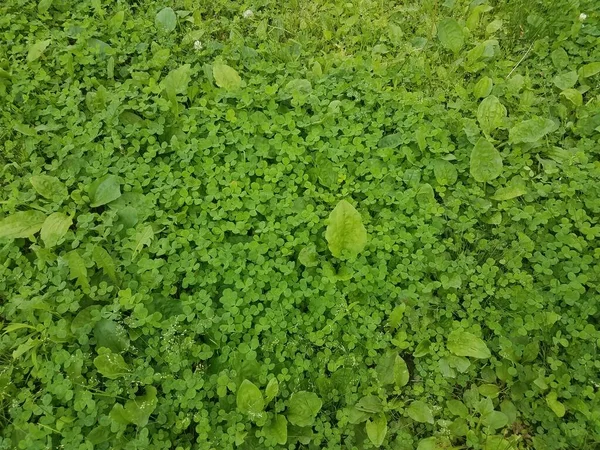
<point x="314" y="225"/>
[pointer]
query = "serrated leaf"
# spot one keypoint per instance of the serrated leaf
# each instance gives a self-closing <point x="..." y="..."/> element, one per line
<point x="483" y="88"/>
<point x="55" y="227"/>
<point x="111" y="365"/>
<point x="37" y="50"/>
<point x="104" y="261"/>
<point x="486" y="162"/>
<point x="276" y="430"/>
<point x="303" y="407"/>
<point x="21" y="224"/>
<point x="565" y="80"/>
<point x="111" y="335"/>
<point x="396" y="315"/>
<point x="49" y="187"/>
<point x="249" y="399"/>
<point x="531" y="130"/>
<point x="345" y="232"/>
<point x="272" y="389"/>
<point x="226" y="77"/>
<point x="419" y="411"/>
<point x="490" y="114"/>
<point x="463" y="343"/>
<point x="143" y="237"/>
<point x="104" y="190"/>
<point x="77" y="268"/>
<point x="450" y="34"/>
<point x="377" y="429"/>
<point x="166" y="20"/>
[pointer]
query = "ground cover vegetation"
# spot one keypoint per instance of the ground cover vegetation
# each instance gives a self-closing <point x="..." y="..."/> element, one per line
<point x="299" y="225"/>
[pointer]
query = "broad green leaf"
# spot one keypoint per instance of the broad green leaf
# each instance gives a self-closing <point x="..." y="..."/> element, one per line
<point x="55" y="227"/>
<point x="111" y="365"/>
<point x="490" y="114"/>
<point x="49" y="187"/>
<point x="176" y="81"/>
<point x="445" y="172"/>
<point x="483" y="88"/>
<point x="82" y="322"/>
<point x="493" y="26"/>
<point x="138" y="411"/>
<point x="308" y="256"/>
<point x="345" y="232"/>
<point x="589" y="70"/>
<point x="143" y="237"/>
<point x="116" y="20"/>
<point x="486" y="162"/>
<point x="565" y="80"/>
<point x="573" y="96"/>
<point x="450" y="34"/>
<point x="494" y="420"/>
<point x="298" y="86"/>
<point x="104" y="190"/>
<point x="226" y="77"/>
<point x="421" y="137"/>
<point x="356" y="416"/>
<point x="425" y="195"/>
<point x="302" y="408"/>
<point x="422" y="349"/>
<point x="77" y="268"/>
<point x="557" y="407"/>
<point x="560" y="58"/>
<point x="272" y="389"/>
<point x="44" y="5"/>
<point x="390" y="141"/>
<point x="21" y="224"/>
<point x="377" y="429"/>
<point x="474" y="17"/>
<point x="370" y="404"/>
<point x="249" y="399"/>
<point x="276" y="430"/>
<point x="515" y="188"/>
<point x="419" y="411"/>
<point x="104" y="261"/>
<point x="531" y="130"/>
<point x="457" y="408"/>
<point x="166" y="20"/>
<point x="401" y="374"/>
<point x="463" y="343"/>
<point x="489" y="390"/>
<point x="37" y="50"/>
<point x="99" y="435"/>
<point x="111" y="335"/>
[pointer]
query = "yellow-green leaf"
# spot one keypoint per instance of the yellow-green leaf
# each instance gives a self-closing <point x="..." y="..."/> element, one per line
<point x="486" y="162"/>
<point x="377" y="429"/>
<point x="21" y="224"/>
<point x="54" y="228"/>
<point x="37" y="50"/>
<point x="226" y="77"/>
<point x="49" y="187"/>
<point x="345" y="232"/>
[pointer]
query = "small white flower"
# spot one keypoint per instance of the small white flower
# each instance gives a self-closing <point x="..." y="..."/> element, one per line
<point x="582" y="17"/>
<point x="197" y="45"/>
<point x="247" y="14"/>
